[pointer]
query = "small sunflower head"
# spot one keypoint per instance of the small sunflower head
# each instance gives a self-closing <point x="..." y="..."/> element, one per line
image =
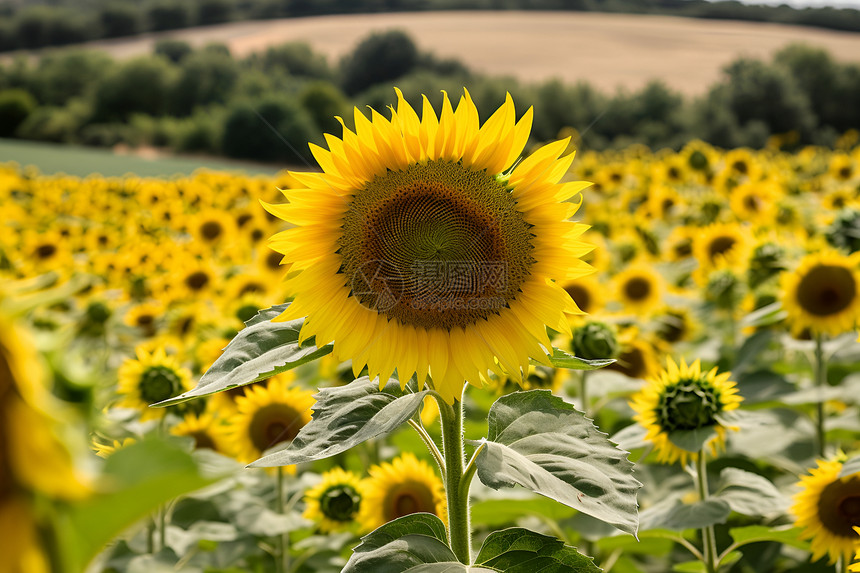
<point x="594" y="340"/>
<point x="724" y="289"/>
<point x="844" y="231"/>
<point x="151" y="378"/>
<point x="335" y="501"/>
<point x="828" y="510"/>
<point x="684" y="398"/>
<point x="823" y="294"/>
<point x="766" y="262"/>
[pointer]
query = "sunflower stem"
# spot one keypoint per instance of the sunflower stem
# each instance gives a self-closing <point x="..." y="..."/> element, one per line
<point x="282" y="557"/>
<point x="709" y="538"/>
<point x="583" y="392"/>
<point x="820" y="381"/>
<point x="428" y="441"/>
<point x="459" y="528"/>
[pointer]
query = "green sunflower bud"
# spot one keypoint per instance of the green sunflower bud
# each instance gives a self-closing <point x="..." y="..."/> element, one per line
<point x="595" y="340"/>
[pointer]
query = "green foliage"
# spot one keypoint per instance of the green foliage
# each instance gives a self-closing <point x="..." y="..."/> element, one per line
<point x="418" y="542"/>
<point x="542" y="443"/>
<point x="294" y="58"/>
<point x="15" y="106"/>
<point x="325" y="102"/>
<point x="141" y="85"/>
<point x="260" y="350"/>
<point x="63" y="75"/>
<point x="383" y="56"/>
<point x="347" y="416"/>
<point x="205" y="77"/>
<point x="173" y="50"/>
<point x="167" y="15"/>
<point x="119" y="19"/>
<point x="274" y="128"/>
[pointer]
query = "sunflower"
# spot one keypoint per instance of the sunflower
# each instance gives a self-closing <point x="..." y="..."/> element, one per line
<point x="587" y="293"/>
<point x="420" y="249"/>
<point x="843" y="167"/>
<point x="149" y="378"/>
<point x="401" y="487"/>
<point x="335" y="501"/>
<point x="684" y="398"/>
<point x="755" y="202"/>
<point x="855" y="567"/>
<point x="828" y="510"/>
<point x="823" y="293"/>
<point x="637" y="357"/>
<point x="204" y="428"/>
<point x="106" y="450"/>
<point x="720" y="246"/>
<point x="265" y="417"/>
<point x="212" y="227"/>
<point x="639" y="288"/>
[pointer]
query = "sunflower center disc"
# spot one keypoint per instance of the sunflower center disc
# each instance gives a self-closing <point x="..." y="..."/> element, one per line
<point x="158" y="383"/>
<point x="688" y="405"/>
<point x="637" y="289"/>
<point x="409" y="498"/>
<point x="839" y="507"/>
<point x="274" y="424"/>
<point x="435" y="245"/>
<point x="826" y="290"/>
<point x="340" y="503"/>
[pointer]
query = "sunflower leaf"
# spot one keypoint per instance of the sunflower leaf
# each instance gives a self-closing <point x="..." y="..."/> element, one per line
<point x="542" y="443"/>
<point x="346" y="416"/>
<point x="786" y="535"/>
<point x="850" y="467"/>
<point x="416" y="542"/>
<point x="518" y="550"/>
<point x="692" y="440"/>
<point x="262" y="349"/>
<point x="561" y="359"/>
<point x="749" y="493"/>
<point x="675" y="515"/>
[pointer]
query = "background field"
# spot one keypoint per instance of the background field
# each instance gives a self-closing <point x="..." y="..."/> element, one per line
<point x="607" y="50"/>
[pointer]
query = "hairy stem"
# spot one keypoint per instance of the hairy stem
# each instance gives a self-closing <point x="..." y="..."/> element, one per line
<point x="459" y="528"/>
<point x="709" y="538"/>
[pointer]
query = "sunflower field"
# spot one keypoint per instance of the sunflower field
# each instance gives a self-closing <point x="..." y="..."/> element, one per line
<point x="446" y="349"/>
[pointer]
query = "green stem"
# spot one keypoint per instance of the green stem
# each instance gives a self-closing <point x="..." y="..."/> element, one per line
<point x="162" y="527"/>
<point x="150" y="536"/>
<point x="709" y="538"/>
<point x="583" y="392"/>
<point x="428" y="441"/>
<point x="456" y="486"/>
<point x="820" y="382"/>
<point x="282" y="558"/>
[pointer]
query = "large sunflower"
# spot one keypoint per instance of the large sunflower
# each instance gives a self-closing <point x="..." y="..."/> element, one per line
<point x="823" y="293"/>
<point x="828" y="510"/>
<point x="335" y="501"/>
<point x="267" y="416"/>
<point x="421" y="249"/>
<point x="684" y="398"/>
<point x="401" y="487"/>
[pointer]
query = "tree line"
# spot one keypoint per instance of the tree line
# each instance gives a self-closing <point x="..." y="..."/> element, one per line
<point x="40" y="23"/>
<point x="268" y="106"/>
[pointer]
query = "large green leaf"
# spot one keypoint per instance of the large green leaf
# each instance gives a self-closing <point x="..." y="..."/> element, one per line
<point x="262" y="349"/>
<point x="498" y="512"/>
<point x="692" y="440"/>
<point x="749" y="493"/>
<point x="786" y="535"/>
<point x="519" y="550"/>
<point x="346" y="416"/>
<point x="138" y="478"/>
<point x="542" y="443"/>
<point x="414" y="543"/>
<point x="561" y="359"/>
<point x="674" y="515"/>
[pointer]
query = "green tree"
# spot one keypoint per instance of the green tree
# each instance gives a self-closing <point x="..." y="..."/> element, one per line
<point x="118" y="19"/>
<point x="141" y="85"/>
<point x="204" y="78"/>
<point x="15" y="106"/>
<point x="272" y="129"/>
<point x="324" y="101"/>
<point x="381" y="57"/>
